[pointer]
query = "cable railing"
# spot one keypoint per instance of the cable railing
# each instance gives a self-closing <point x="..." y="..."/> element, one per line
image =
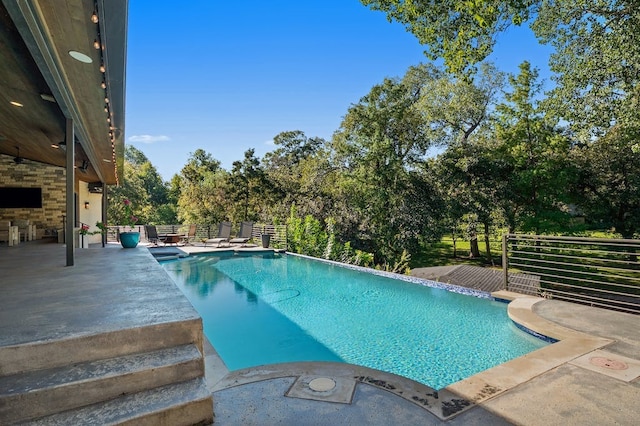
<point x="598" y="272"/>
<point x="278" y="233"/>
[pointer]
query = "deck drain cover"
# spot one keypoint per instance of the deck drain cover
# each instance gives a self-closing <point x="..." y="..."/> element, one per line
<point x="612" y="364"/>
<point x="322" y="384"/>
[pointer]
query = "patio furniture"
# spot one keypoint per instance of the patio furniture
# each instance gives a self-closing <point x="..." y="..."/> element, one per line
<point x="172" y="239"/>
<point x="26" y="231"/>
<point x="224" y="232"/>
<point x="9" y="233"/>
<point x="246" y="229"/>
<point x="190" y="236"/>
<point x="152" y="235"/>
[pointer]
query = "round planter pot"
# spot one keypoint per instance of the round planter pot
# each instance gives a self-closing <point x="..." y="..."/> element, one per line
<point x="129" y="239"/>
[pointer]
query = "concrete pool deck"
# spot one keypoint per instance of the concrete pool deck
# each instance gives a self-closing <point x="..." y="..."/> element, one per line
<point x="590" y="377"/>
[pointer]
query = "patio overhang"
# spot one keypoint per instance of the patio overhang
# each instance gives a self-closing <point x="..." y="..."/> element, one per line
<point x="42" y="85"/>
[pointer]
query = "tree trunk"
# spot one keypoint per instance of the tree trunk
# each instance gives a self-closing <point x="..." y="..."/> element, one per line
<point x="474" y="252"/>
<point x="487" y="244"/>
<point x="453" y="237"/>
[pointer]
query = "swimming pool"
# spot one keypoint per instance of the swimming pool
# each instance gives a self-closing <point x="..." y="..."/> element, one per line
<point x="271" y="308"/>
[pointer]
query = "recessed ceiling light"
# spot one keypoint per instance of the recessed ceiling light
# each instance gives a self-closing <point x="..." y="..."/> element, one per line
<point x="14" y="103"/>
<point x="80" y="57"/>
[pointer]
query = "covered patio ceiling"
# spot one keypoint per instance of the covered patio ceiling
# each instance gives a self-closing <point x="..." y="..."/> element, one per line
<point x="41" y="84"/>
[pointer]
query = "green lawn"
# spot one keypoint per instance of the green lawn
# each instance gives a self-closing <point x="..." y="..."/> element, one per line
<point x="440" y="253"/>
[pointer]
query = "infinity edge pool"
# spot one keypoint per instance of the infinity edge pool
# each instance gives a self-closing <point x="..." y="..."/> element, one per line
<point x="461" y="395"/>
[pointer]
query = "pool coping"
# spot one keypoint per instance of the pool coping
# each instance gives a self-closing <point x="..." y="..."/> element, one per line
<point x="569" y="345"/>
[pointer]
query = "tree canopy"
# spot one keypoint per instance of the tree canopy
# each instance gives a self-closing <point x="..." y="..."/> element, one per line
<point x="432" y="153"/>
<point x="462" y="32"/>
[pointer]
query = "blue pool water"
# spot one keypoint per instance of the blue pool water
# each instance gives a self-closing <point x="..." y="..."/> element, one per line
<point x="271" y="308"/>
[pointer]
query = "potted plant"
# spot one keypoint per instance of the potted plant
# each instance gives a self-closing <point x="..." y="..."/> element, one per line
<point x="102" y="228"/>
<point x="129" y="239"/>
<point x="266" y="238"/>
<point x="84" y="230"/>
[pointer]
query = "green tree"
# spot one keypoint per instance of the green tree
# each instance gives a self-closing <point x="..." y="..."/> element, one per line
<point x="296" y="172"/>
<point x="160" y="209"/>
<point x="144" y="187"/>
<point x="533" y="168"/>
<point x="596" y="63"/>
<point x="247" y="187"/>
<point x="596" y="50"/>
<point x="378" y="194"/>
<point x="460" y="108"/>
<point x="462" y="32"/>
<point x="130" y="189"/>
<point x="608" y="190"/>
<point x="199" y="164"/>
<point x="203" y="190"/>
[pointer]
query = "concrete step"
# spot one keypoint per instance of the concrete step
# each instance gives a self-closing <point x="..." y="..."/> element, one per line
<point x="43" y="392"/>
<point x="40" y="355"/>
<point x="180" y="404"/>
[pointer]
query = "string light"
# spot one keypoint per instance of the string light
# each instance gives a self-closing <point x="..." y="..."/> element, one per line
<point x="98" y="45"/>
<point x="94" y="16"/>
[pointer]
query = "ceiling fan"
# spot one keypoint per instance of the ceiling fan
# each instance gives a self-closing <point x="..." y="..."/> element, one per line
<point x="18" y="159"/>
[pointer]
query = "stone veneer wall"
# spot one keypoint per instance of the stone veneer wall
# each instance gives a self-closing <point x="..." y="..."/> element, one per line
<point x="31" y="174"/>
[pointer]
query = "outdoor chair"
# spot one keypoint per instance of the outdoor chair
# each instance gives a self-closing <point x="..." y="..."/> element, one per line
<point x="224" y="232"/>
<point x="246" y="229"/>
<point x="9" y="233"/>
<point x="152" y="235"/>
<point x="190" y="236"/>
<point x="26" y="230"/>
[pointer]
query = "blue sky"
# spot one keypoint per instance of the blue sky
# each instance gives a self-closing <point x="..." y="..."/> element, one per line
<point x="227" y="76"/>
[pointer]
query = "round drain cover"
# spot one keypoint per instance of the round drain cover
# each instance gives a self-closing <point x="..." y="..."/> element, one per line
<point x="612" y="364"/>
<point x="322" y="384"/>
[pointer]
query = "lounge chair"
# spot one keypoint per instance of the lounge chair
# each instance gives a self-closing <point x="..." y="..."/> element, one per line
<point x="26" y="231"/>
<point x="246" y="229"/>
<point x="152" y="235"/>
<point x="190" y="236"/>
<point x="9" y="233"/>
<point x="224" y="232"/>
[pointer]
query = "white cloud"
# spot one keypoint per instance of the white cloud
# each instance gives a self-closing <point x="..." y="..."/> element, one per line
<point x="270" y="143"/>
<point x="148" y="138"/>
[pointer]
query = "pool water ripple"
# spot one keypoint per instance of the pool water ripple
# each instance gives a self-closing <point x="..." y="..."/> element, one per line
<point x="265" y="309"/>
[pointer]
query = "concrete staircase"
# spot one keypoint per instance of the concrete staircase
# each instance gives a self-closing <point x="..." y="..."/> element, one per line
<point x="150" y="375"/>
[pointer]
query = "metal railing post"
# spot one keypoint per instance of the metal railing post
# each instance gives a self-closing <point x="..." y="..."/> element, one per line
<point x="505" y="260"/>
